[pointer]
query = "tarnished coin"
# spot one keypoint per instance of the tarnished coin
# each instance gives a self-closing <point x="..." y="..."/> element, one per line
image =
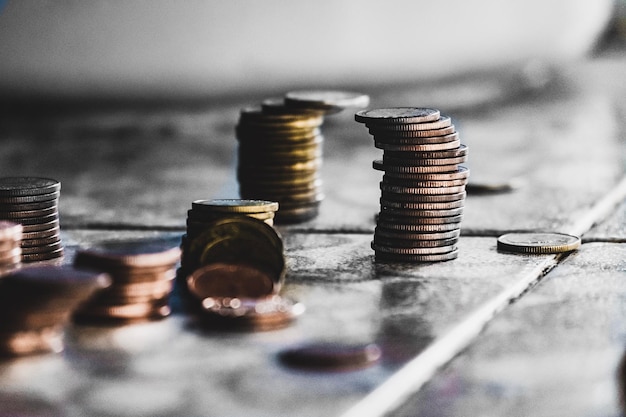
<point x="374" y="131"/>
<point x="441" y="123"/>
<point x="29" y="199"/>
<point x="428" y="147"/>
<point x="27" y="186"/>
<point x="397" y="115"/>
<point x="410" y="258"/>
<point x="382" y="138"/>
<point x="234" y="205"/>
<point x="329" y="101"/>
<point x="230" y="280"/>
<point x="538" y="243"/>
<point x="331" y="356"/>
<point x="422" y="198"/>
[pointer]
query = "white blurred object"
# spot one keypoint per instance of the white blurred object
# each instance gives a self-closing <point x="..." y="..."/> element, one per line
<point x="164" y="48"/>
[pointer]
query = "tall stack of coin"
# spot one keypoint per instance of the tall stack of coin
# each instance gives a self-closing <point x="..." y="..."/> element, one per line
<point x="423" y="186"/>
<point x="33" y="203"/>
<point x="142" y="273"/>
<point x="279" y="159"/>
<point x="10" y="251"/>
<point x="36" y="302"/>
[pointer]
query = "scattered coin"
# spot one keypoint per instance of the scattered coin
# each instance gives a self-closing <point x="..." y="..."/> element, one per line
<point x="423" y="186"/>
<point x="538" y="243"/>
<point x="329" y="356"/>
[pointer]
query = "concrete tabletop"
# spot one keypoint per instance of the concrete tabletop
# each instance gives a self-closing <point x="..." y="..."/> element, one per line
<point x="489" y="333"/>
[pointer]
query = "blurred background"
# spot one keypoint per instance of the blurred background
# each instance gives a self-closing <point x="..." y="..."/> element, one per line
<point x="191" y="49"/>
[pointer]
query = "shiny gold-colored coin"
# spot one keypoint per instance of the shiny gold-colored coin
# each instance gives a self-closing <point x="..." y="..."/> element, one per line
<point x="234" y="206"/>
<point x="419" y="148"/>
<point x="538" y="243"/>
<point x="392" y="116"/>
<point x="256" y="117"/>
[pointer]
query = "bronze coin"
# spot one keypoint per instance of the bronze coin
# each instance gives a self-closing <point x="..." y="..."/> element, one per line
<point x="331" y="356"/>
<point x="230" y="280"/>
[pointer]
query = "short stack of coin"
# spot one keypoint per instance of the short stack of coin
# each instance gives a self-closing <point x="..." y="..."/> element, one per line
<point x="37" y="302"/>
<point x="33" y="203"/>
<point x="10" y="251"/>
<point x="142" y="272"/>
<point x="423" y="186"/>
<point x="279" y="159"/>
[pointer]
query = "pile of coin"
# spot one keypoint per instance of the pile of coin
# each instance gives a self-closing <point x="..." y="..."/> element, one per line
<point x="423" y="186"/>
<point x="280" y="150"/>
<point x="142" y="273"/>
<point x="33" y="203"/>
<point x="10" y="251"/>
<point x="37" y="302"/>
<point x="279" y="159"/>
<point x="234" y="268"/>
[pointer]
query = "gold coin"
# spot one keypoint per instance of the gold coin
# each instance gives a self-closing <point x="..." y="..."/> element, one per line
<point x="397" y="115"/>
<point x="277" y="105"/>
<point x="234" y="206"/>
<point x="538" y="243"/>
<point x="256" y="117"/>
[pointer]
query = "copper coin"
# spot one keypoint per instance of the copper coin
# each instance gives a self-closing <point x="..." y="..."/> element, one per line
<point x="392" y="161"/>
<point x="27" y="186"/>
<point x="416" y="141"/>
<point x="428" y="147"/>
<point x="329" y="356"/>
<point x="417" y="198"/>
<point x="421" y="206"/>
<point x="10" y="231"/>
<point x="412" y="182"/>
<point x="461" y="151"/>
<point x="374" y="131"/>
<point x="230" y="280"/>
<point x="31" y="341"/>
<point x="397" y="115"/>
<point x="442" y="122"/>
<point x="132" y="253"/>
<point x="421" y="190"/>
<point x="460" y="173"/>
<point x="408" y="172"/>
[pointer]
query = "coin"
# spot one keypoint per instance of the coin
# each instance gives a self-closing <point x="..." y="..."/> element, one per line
<point x="331" y="356"/>
<point x="450" y="162"/>
<point x="538" y="243"/>
<point x="421" y="190"/>
<point x="277" y="105"/>
<point x="135" y="253"/>
<point x="235" y="205"/>
<point x="256" y="117"/>
<point x="230" y="280"/>
<point x="421" y="206"/>
<point x="418" y="227"/>
<point x="21" y="214"/>
<point x="413" y="243"/>
<point x="422" y="198"/>
<point x="409" y="258"/>
<point x="429" y="147"/>
<point x="462" y="150"/>
<point x="412" y="181"/>
<point x="397" y="115"/>
<point x="29" y="198"/>
<point x="383" y="138"/>
<point x="329" y="101"/>
<point x="27" y="186"/>
<point x="374" y="131"/>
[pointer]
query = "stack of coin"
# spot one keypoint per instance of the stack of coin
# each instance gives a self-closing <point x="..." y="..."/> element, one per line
<point x="280" y="155"/>
<point x="423" y="188"/>
<point x="33" y="203"/>
<point x="143" y="273"/>
<point x="36" y="302"/>
<point x="10" y="251"/>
